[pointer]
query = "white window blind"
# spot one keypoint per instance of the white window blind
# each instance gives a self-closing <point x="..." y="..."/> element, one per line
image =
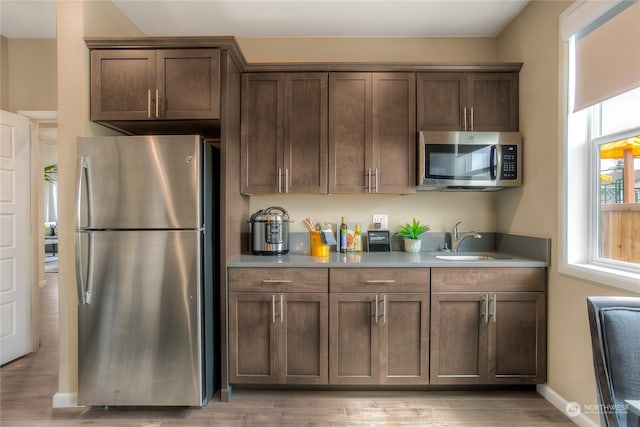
<point x="607" y="54"/>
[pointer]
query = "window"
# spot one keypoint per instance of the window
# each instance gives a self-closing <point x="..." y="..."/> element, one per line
<point x="615" y="144"/>
<point x="601" y="163"/>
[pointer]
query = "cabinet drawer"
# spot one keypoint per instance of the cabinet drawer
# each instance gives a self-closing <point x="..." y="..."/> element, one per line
<point x="487" y="279"/>
<point x="278" y="280"/>
<point x="379" y="279"/>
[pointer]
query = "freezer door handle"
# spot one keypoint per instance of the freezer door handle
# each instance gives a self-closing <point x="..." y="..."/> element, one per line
<point x="84" y="292"/>
<point x="83" y="177"/>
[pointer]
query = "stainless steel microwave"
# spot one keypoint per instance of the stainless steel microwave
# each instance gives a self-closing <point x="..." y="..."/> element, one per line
<point x="469" y="161"/>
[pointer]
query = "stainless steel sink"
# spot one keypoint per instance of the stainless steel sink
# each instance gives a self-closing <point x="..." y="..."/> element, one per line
<point x="465" y="257"/>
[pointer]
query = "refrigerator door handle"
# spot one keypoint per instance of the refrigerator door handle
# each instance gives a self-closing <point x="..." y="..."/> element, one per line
<point x="84" y="293"/>
<point x="82" y="177"/>
<point x="84" y="296"/>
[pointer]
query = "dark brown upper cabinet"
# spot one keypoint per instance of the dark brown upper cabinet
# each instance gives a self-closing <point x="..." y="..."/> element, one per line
<point x="155" y="84"/>
<point x="372" y="133"/>
<point x="284" y="133"/>
<point x="479" y="101"/>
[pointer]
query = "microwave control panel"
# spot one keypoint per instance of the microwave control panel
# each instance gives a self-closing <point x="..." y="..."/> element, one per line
<point x="509" y="162"/>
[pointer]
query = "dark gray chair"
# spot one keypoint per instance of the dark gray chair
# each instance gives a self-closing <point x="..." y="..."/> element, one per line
<point x="615" y="341"/>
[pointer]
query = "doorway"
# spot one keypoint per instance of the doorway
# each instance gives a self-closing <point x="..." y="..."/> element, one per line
<point x="44" y="149"/>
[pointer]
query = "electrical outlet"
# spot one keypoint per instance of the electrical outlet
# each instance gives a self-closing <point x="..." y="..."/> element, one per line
<point x="382" y="219"/>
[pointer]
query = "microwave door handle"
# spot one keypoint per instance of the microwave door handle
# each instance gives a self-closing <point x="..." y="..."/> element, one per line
<point x="493" y="162"/>
<point x="422" y="167"/>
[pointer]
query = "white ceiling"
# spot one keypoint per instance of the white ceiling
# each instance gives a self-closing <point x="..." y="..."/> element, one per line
<point x="280" y="18"/>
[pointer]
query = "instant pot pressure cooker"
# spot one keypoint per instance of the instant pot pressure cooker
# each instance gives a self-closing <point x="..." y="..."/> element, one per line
<point x="270" y="231"/>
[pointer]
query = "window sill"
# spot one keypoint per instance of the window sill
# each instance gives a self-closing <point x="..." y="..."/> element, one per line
<point x="614" y="278"/>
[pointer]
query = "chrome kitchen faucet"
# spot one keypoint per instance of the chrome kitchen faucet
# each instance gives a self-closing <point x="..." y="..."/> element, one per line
<point x="455" y="240"/>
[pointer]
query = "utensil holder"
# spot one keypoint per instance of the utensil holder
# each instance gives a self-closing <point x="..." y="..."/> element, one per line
<point x="317" y="247"/>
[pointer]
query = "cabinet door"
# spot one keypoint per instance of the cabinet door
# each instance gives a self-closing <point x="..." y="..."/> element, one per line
<point x="353" y="347"/>
<point x="303" y="339"/>
<point x="394" y="132"/>
<point x="122" y="83"/>
<point x="442" y="98"/>
<point x="261" y="133"/>
<point x="253" y="338"/>
<point x="305" y="133"/>
<point x="517" y="338"/>
<point x="459" y="338"/>
<point x="188" y="83"/>
<point x="404" y="341"/>
<point x="350" y="150"/>
<point x="493" y="101"/>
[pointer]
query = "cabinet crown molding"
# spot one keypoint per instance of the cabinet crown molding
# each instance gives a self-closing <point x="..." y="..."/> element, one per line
<point x="228" y="43"/>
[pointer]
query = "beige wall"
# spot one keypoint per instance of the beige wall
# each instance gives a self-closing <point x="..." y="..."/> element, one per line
<point x="75" y="20"/>
<point x="4" y="73"/>
<point x="397" y="49"/>
<point x="439" y="210"/>
<point x="535" y="208"/>
<point x="31" y="75"/>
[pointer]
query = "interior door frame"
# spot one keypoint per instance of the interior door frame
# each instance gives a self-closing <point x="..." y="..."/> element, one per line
<point x="37" y="120"/>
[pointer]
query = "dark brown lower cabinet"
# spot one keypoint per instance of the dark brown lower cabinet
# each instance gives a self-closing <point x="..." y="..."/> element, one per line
<point x="488" y="337"/>
<point x="379" y="338"/>
<point x="278" y="338"/>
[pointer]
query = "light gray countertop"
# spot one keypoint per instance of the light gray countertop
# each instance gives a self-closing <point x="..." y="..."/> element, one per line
<point x="383" y="259"/>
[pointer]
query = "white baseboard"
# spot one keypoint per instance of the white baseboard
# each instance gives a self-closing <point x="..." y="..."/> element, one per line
<point x="66" y="400"/>
<point x="561" y="403"/>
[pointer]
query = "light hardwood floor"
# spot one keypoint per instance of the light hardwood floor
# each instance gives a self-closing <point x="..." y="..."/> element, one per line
<point x="27" y="386"/>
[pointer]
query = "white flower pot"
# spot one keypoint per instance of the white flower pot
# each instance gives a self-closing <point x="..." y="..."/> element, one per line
<point x="411" y="245"/>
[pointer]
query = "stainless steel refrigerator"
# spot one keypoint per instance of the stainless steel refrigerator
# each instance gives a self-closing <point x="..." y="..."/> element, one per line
<point x="145" y="270"/>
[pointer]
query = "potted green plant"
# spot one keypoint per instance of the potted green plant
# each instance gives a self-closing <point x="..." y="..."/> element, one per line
<point x="411" y="234"/>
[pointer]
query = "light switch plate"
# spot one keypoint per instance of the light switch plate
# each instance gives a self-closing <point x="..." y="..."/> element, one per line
<point x="383" y="219"/>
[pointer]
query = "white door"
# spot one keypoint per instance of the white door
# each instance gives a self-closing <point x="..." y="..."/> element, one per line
<point x="15" y="238"/>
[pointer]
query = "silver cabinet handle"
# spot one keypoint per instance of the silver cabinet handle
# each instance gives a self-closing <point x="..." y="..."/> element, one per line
<point x="377" y="180"/>
<point x="273" y="308"/>
<point x="464" y="117"/>
<point x="281" y="310"/>
<point x="495" y="303"/>
<point x="381" y="281"/>
<point x="275" y="281"/>
<point x="279" y="180"/>
<point x="286" y="180"/>
<point x="471" y="118"/>
<point x="157" y="102"/>
<point x="369" y="181"/>
<point x="384" y="309"/>
<point x="149" y="103"/>
<point x="376" y="311"/>
<point x="485" y="300"/>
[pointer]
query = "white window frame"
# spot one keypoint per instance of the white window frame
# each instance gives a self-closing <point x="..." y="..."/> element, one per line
<point x="579" y="195"/>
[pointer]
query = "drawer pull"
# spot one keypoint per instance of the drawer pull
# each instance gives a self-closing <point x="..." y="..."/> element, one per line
<point x="275" y="281"/>
<point x="382" y="281"/>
